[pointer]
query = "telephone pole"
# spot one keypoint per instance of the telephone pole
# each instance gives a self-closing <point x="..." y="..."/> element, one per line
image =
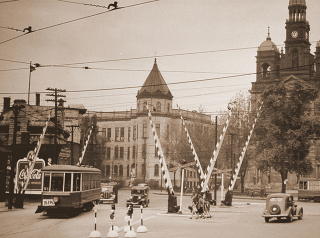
<point x="55" y="100"/>
<point x="72" y="130"/>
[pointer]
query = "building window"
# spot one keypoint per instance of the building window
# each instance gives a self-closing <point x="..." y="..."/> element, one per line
<point x="145" y="131"/>
<point x="168" y="130"/>
<point x="109" y="134"/>
<point x="104" y="131"/>
<point x="168" y="107"/>
<point x="158" y="107"/>
<point x="128" y="154"/>
<point x="108" y="170"/>
<point x="115" y="170"/>
<point x="121" y="152"/>
<point x="295" y="59"/>
<point x="128" y="170"/>
<point x="158" y="130"/>
<point x="129" y="133"/>
<point x="145" y="106"/>
<point x="155" y="151"/>
<point x="134" y="132"/>
<point x="156" y="170"/>
<point x="120" y="170"/>
<point x="122" y="134"/>
<point x="108" y="152"/>
<point x="117" y="134"/>
<point x="133" y="152"/>
<point x="116" y="152"/>
<point x="312" y="151"/>
<point x="266" y="70"/>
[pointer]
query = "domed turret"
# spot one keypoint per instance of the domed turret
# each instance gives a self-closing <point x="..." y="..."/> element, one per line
<point x="268" y="45"/>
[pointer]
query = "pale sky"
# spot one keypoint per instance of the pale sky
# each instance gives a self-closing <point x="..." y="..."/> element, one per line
<point x="203" y="41"/>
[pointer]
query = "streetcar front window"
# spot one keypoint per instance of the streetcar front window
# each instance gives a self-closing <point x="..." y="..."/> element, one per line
<point x="57" y="182"/>
<point x="46" y="181"/>
<point x="67" y="182"/>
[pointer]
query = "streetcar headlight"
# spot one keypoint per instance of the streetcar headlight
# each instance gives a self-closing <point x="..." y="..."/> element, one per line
<point x="139" y="197"/>
<point x="55" y="199"/>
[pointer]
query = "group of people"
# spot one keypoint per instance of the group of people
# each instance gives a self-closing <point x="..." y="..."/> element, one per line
<point x="200" y="207"/>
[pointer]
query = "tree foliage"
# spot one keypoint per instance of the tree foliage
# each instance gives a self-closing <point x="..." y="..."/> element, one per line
<point x="285" y="127"/>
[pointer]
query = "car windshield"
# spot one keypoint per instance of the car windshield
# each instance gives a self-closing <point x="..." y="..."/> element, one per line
<point x="276" y="199"/>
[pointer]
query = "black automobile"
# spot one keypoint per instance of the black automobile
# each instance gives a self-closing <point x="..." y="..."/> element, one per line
<point x="139" y="196"/>
<point x="109" y="193"/>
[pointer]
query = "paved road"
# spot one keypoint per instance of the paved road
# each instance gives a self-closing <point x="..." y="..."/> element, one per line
<point x="243" y="219"/>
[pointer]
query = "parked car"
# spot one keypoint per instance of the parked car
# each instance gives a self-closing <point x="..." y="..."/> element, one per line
<point x="139" y="196"/>
<point x="109" y="193"/>
<point x="281" y="205"/>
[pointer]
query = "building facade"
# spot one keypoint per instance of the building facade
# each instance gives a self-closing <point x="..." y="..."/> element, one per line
<point x="294" y="62"/>
<point x="130" y="149"/>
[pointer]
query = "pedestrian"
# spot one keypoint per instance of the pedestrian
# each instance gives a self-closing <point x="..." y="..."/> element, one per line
<point x="200" y="206"/>
<point x="193" y="207"/>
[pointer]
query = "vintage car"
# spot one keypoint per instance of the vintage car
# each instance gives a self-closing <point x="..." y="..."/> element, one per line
<point x="281" y="205"/>
<point x="109" y="193"/>
<point x="139" y="196"/>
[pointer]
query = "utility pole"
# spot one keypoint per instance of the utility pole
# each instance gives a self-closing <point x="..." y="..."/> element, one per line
<point x="55" y="100"/>
<point x="16" y="108"/>
<point x="72" y="127"/>
<point x="215" y="176"/>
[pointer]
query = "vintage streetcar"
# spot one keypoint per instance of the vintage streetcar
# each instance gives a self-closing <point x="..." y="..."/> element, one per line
<point x="309" y="189"/>
<point x="69" y="189"/>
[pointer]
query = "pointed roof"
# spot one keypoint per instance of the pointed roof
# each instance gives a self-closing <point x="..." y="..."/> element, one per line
<point x="154" y="86"/>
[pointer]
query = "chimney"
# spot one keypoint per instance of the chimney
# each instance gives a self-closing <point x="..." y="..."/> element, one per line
<point x="6" y="103"/>
<point x="37" y="99"/>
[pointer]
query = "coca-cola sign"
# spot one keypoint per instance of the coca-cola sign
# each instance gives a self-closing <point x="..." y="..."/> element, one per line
<point x="35" y="180"/>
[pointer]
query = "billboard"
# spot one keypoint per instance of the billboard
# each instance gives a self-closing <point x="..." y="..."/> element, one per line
<point x="34" y="186"/>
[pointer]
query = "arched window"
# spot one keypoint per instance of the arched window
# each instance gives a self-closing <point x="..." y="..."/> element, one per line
<point x="295" y="59"/>
<point x="102" y="168"/>
<point x="168" y="107"/>
<point x="120" y="170"/>
<point x="145" y="106"/>
<point x="133" y="170"/>
<point x="158" y="107"/>
<point x="115" y="170"/>
<point x="266" y="70"/>
<point x="128" y="171"/>
<point x="156" y="170"/>
<point x="108" y="170"/>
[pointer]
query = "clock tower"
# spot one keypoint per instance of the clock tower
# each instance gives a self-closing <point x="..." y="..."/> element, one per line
<point x="297" y="56"/>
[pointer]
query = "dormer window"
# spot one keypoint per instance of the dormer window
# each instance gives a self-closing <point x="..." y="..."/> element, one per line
<point x="266" y="69"/>
<point x="158" y="107"/>
<point x="145" y="106"/>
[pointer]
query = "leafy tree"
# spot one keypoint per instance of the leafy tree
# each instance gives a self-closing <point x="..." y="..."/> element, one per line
<point x="284" y="129"/>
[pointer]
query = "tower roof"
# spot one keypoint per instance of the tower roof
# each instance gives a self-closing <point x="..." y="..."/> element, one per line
<point x="297" y="2"/>
<point x="154" y="86"/>
<point x="268" y="45"/>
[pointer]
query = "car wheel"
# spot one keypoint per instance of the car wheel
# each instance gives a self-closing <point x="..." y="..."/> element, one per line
<point x="267" y="219"/>
<point x="274" y="209"/>
<point x="300" y="214"/>
<point x="289" y="217"/>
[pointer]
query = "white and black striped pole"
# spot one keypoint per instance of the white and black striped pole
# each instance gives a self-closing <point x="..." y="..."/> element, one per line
<point x="195" y="156"/>
<point x="142" y="228"/>
<point x="215" y="154"/>
<point x="113" y="231"/>
<point x="85" y="147"/>
<point x="95" y="233"/>
<point x="235" y="175"/>
<point x="164" y="169"/>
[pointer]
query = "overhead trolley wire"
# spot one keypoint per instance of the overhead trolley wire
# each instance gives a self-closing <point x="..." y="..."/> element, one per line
<point x="81" y="18"/>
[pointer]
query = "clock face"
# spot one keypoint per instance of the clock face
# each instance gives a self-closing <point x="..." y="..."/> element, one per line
<point x="294" y="34"/>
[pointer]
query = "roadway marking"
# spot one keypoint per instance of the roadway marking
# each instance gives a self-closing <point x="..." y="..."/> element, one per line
<point x="136" y="222"/>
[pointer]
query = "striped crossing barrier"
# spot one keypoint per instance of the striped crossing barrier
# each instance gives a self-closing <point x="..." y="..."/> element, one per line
<point x="32" y="155"/>
<point x="195" y="156"/>
<point x="163" y="164"/>
<point x="235" y="175"/>
<point x="85" y="147"/>
<point x="213" y="160"/>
